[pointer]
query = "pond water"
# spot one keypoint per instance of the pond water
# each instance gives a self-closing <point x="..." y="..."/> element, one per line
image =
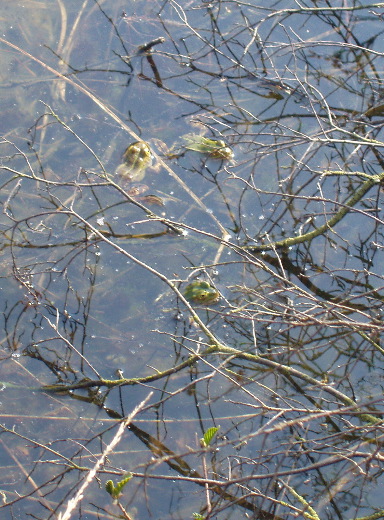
<point x="287" y="362"/>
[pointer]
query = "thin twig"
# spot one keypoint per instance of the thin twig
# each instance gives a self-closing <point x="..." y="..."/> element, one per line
<point x="73" y="502"/>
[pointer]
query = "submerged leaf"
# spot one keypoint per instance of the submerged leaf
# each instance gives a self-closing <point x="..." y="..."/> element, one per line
<point x="152" y="199"/>
<point x="377" y="110"/>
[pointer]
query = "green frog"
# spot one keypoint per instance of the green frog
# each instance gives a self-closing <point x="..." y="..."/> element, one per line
<point x="201" y="292"/>
<point x="214" y="148"/>
<point x="136" y="159"/>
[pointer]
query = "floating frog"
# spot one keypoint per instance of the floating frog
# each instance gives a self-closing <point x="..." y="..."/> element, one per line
<point x="201" y="292"/>
<point x="136" y="159"/>
<point x="215" y="148"/>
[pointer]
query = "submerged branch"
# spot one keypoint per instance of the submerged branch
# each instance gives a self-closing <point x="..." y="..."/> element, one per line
<point x="307" y="237"/>
<point x="220" y="348"/>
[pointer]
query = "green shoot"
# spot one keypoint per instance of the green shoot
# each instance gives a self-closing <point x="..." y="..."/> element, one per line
<point x="208" y="437"/>
<point x="115" y="491"/>
<point x="197" y="516"/>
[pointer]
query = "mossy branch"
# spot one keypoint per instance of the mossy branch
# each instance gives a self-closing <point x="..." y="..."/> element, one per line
<point x="329" y="224"/>
<point x="310" y="513"/>
<point x="374" y="516"/>
<point x="221" y="349"/>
